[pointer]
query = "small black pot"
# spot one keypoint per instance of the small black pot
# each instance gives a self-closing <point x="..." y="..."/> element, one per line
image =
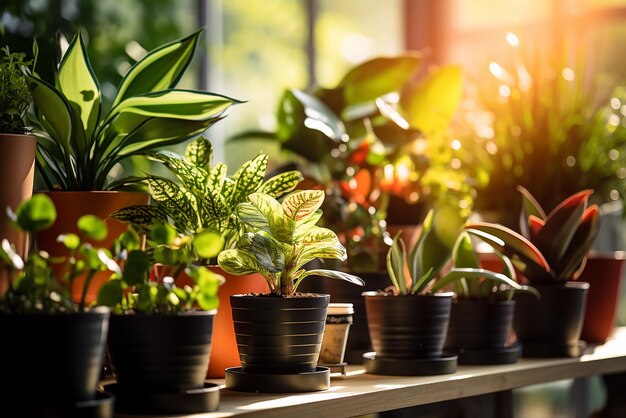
<point x="551" y="326"/>
<point x="51" y="359"/>
<point x="279" y="335"/>
<point x="160" y="353"/>
<point x="408" y="326"/>
<point x="479" y="324"/>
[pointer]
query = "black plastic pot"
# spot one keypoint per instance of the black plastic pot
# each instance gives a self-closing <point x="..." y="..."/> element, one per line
<point x="279" y="335"/>
<point x="160" y="353"/>
<point x="479" y="324"/>
<point x="408" y="326"/>
<point x="51" y="359"/>
<point x="551" y="326"/>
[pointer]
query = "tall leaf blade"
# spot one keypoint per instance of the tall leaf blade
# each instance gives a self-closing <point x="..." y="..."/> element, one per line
<point x="161" y="69"/>
<point x="78" y="83"/>
<point x="580" y="244"/>
<point x="333" y="274"/>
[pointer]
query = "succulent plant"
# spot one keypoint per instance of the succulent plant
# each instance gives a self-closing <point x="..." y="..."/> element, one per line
<point x="279" y="239"/>
<point x="418" y="271"/>
<point x="552" y="247"/>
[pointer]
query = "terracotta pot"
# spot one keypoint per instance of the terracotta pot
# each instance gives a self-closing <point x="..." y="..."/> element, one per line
<point x="17" y="169"/>
<point x="71" y="206"/>
<point x="224" y="351"/>
<point x="604" y="275"/>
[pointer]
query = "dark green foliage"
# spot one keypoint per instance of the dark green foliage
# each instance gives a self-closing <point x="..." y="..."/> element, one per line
<point x="14" y="93"/>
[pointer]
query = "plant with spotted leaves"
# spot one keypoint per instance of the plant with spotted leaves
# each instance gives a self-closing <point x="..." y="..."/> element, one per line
<point x="204" y="197"/>
<point x="280" y="238"/>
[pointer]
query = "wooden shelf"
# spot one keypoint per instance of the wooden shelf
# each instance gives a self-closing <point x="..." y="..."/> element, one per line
<point x="360" y="393"/>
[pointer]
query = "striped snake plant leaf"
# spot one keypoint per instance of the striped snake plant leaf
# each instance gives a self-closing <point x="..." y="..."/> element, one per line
<point x="249" y="178"/>
<point x="199" y="152"/>
<point x="281" y="226"/>
<point x="281" y="183"/>
<point x="302" y="204"/>
<point x="77" y="81"/>
<point x="160" y="69"/>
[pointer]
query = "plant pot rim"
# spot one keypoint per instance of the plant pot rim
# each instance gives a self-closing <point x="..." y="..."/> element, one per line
<point x="98" y="310"/>
<point x="483" y="301"/>
<point x="376" y="294"/>
<point x="607" y="255"/>
<point x="570" y="284"/>
<point x="195" y="312"/>
<point x="28" y="135"/>
<point x="100" y="192"/>
<point x="272" y="297"/>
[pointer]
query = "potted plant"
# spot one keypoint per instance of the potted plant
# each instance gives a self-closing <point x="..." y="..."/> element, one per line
<point x="52" y="347"/>
<point x="279" y="334"/>
<point x="481" y="317"/>
<point x="17" y="146"/>
<point x="551" y="254"/>
<point x="409" y="320"/>
<point x="80" y="141"/>
<point x="160" y="334"/>
<point x="205" y="197"/>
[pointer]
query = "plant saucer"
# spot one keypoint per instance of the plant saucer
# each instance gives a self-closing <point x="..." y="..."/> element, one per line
<point x="502" y="355"/>
<point x="445" y="364"/>
<point x="192" y="401"/>
<point x="100" y="407"/>
<point x="315" y="381"/>
<point x="553" y="350"/>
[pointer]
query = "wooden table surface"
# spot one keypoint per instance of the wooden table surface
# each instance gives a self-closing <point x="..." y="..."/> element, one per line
<point x="359" y="393"/>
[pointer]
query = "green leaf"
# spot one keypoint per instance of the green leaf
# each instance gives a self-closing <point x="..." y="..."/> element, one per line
<point x="137" y="268"/>
<point x="248" y="178"/>
<point x="36" y="213"/>
<point x="200" y="153"/>
<point x="92" y="258"/>
<point x="110" y="294"/>
<point x="530" y="204"/>
<point x="301" y="204"/>
<point x="141" y="217"/>
<point x="215" y="209"/>
<point x="319" y="243"/>
<point x="374" y="78"/>
<point x="160" y="69"/>
<point x="217" y="177"/>
<point x="333" y="274"/>
<point x="208" y="244"/>
<point x="252" y="216"/>
<point x="430" y="104"/>
<point x="580" y="245"/>
<point x="466" y="273"/>
<point x="268" y="252"/>
<point x="463" y="255"/>
<point x="396" y="258"/>
<point x="70" y="241"/>
<point x="78" y="83"/>
<point x="192" y="177"/>
<point x="177" y="202"/>
<point x="52" y="109"/>
<point x="281" y="183"/>
<point x="511" y="244"/>
<point x="281" y="226"/>
<point x="239" y="262"/>
<point x="10" y="256"/>
<point x="163" y="234"/>
<point x="92" y="227"/>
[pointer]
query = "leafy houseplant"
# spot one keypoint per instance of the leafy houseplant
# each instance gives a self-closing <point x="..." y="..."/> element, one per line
<point x="160" y="334"/>
<point x="80" y="140"/>
<point x="281" y="332"/>
<point x="17" y="146"/>
<point x="413" y="308"/>
<point x="37" y="311"/>
<point x="551" y="255"/>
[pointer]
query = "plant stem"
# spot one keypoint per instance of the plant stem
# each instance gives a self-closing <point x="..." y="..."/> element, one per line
<point x="81" y="307"/>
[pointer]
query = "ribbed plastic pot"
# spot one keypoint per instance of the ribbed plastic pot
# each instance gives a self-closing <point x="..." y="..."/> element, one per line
<point x="408" y="326"/>
<point x="479" y="324"/>
<point x="556" y="318"/>
<point x="52" y="359"/>
<point x="160" y="353"/>
<point x="279" y="335"/>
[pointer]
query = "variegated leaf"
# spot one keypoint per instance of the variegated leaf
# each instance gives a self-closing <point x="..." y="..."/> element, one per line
<point x="141" y="217"/>
<point x="252" y="216"/>
<point x="249" y="178"/>
<point x="192" y="177"/>
<point x="302" y="204"/>
<point x="311" y="252"/>
<point x="333" y="274"/>
<point x="214" y="210"/>
<point x="200" y="153"/>
<point x="217" y="177"/>
<point x="268" y="252"/>
<point x="178" y="202"/>
<point x="281" y="226"/>
<point x="305" y="224"/>
<point x="281" y="183"/>
<point x="227" y="188"/>
<point x="239" y="262"/>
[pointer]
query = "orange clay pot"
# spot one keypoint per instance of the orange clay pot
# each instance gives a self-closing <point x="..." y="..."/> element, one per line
<point x="71" y="206"/>
<point x="224" y="352"/>
<point x="17" y="170"/>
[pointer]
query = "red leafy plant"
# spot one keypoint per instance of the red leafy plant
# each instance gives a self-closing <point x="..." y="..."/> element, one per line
<point x="551" y="248"/>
